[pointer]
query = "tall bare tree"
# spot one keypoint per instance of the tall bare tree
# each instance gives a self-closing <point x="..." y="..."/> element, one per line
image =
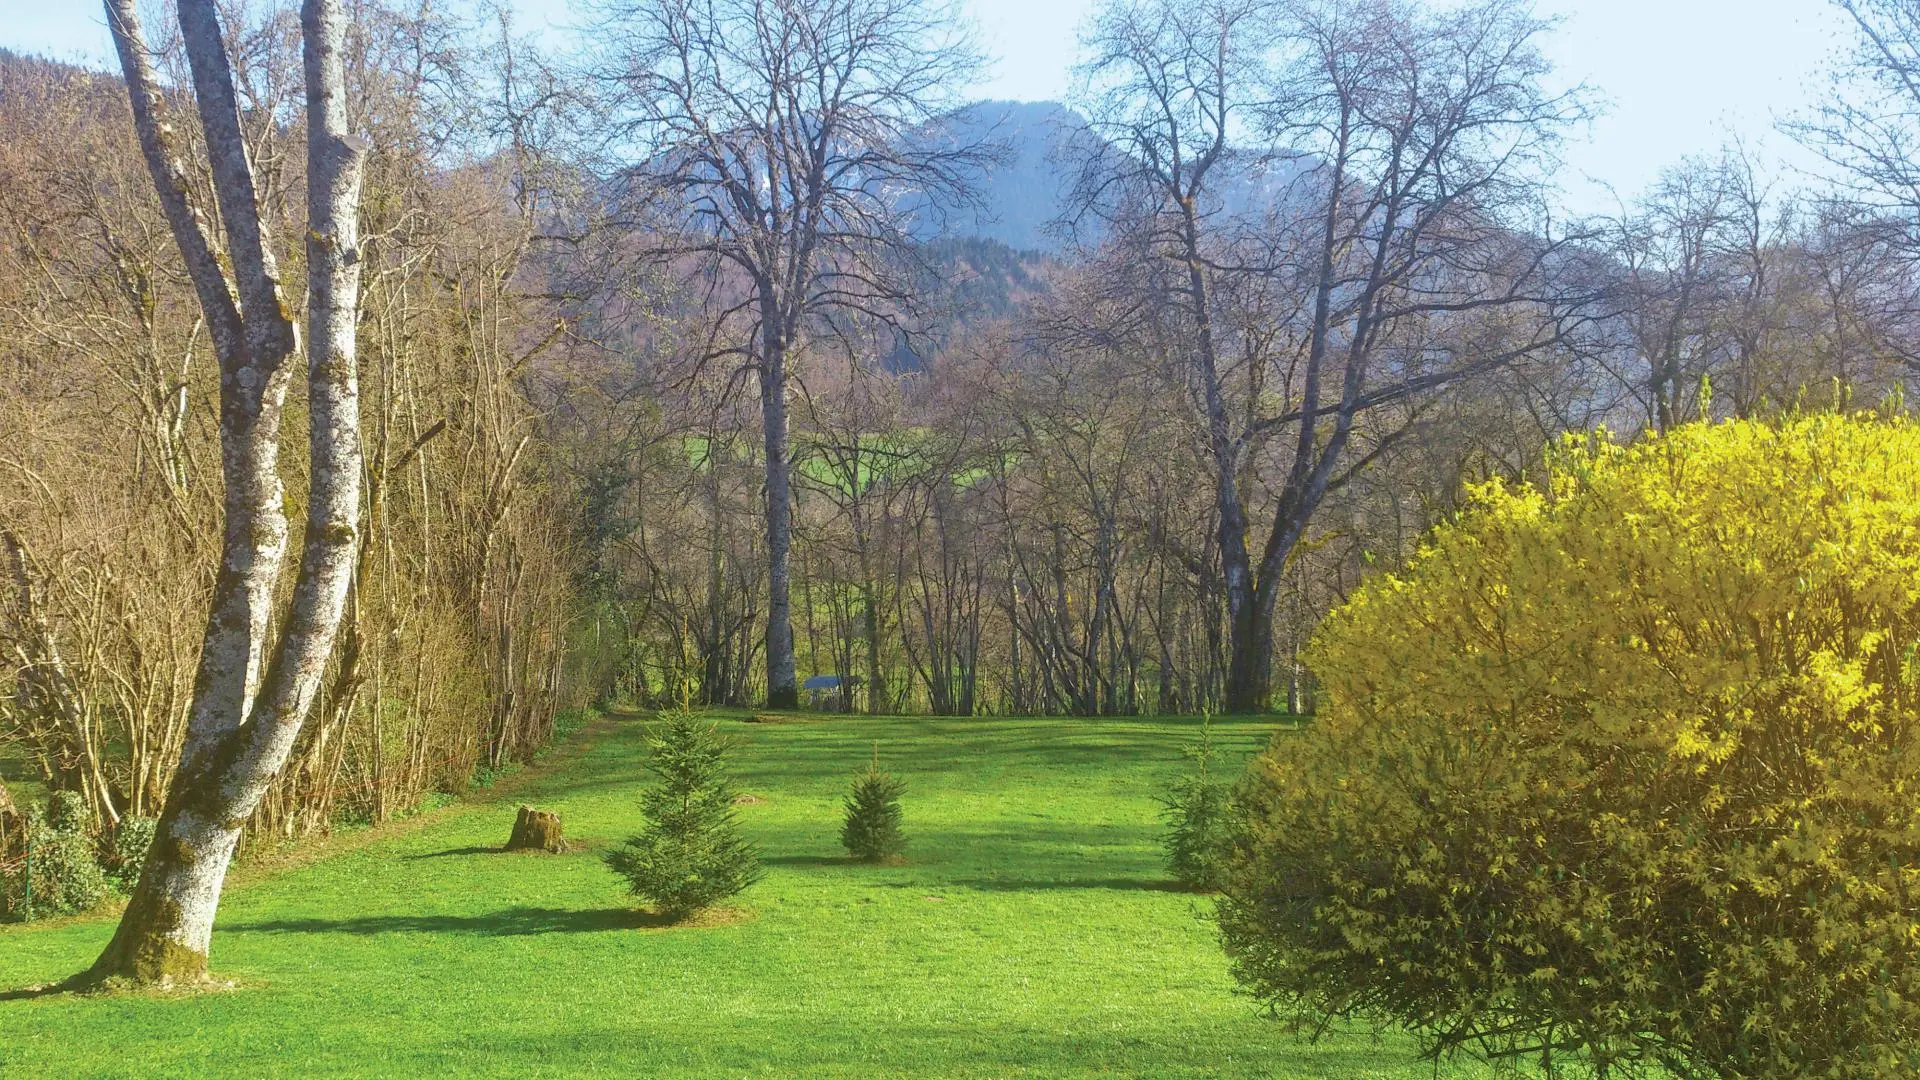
<point x="1673" y="279"/>
<point x="1351" y="166"/>
<point x="1871" y="127"/>
<point x="258" y="674"/>
<point x="776" y="150"/>
<point x="1870" y="130"/>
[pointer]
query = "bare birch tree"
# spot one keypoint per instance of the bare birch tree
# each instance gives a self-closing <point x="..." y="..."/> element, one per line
<point x="258" y="674"/>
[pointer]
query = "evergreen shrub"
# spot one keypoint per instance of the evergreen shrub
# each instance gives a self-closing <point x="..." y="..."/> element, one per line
<point x="871" y="830"/>
<point x="690" y="854"/>
<point x="1196" y="809"/>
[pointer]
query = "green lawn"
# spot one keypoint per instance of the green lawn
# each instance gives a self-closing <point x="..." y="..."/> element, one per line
<point x="1032" y="933"/>
<point x="22" y="782"/>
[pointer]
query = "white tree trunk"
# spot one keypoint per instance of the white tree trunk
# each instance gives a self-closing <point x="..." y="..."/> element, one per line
<point x="251" y="694"/>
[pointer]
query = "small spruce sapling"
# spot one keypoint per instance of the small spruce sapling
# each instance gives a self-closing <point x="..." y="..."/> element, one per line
<point x="872" y="827"/>
<point x="1196" y="808"/>
<point x="690" y="855"/>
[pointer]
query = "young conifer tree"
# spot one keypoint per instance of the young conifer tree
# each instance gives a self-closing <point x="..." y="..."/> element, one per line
<point x="691" y="854"/>
<point x="1196" y="808"/>
<point x="872" y="827"/>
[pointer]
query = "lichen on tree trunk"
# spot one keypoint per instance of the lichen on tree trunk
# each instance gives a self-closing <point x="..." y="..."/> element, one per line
<point x="166" y="934"/>
<point x="258" y="673"/>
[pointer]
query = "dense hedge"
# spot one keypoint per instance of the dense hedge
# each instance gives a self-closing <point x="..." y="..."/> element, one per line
<point x="1622" y="771"/>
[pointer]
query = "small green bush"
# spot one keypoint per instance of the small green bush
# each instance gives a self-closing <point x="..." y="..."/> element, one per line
<point x="691" y="854"/>
<point x="1197" y="810"/>
<point x="872" y="827"/>
<point x="126" y="849"/>
<point x="61" y="874"/>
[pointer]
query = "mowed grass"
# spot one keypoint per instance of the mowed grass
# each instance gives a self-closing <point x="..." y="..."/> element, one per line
<point x="1033" y="933"/>
<point x="22" y="783"/>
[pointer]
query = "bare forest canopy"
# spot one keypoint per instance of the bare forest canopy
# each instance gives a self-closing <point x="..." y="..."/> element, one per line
<point x="674" y="394"/>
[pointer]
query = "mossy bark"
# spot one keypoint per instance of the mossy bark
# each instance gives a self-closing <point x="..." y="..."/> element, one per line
<point x="167" y="930"/>
<point x="257" y="674"/>
<point x="537" y="830"/>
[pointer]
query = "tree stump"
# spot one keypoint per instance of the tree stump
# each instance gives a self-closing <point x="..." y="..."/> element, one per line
<point x="536" y="830"/>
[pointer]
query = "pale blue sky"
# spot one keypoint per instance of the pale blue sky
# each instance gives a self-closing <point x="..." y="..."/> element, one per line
<point x="1681" y="75"/>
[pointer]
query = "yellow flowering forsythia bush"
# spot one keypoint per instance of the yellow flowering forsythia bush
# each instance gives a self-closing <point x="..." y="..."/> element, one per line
<point x="1619" y="774"/>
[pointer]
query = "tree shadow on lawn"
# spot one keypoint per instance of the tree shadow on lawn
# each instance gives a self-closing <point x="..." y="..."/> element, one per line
<point x="511" y="922"/>
<point x="27" y="993"/>
<point x="1031" y="885"/>
<point x="811" y="860"/>
<point x="457" y="851"/>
